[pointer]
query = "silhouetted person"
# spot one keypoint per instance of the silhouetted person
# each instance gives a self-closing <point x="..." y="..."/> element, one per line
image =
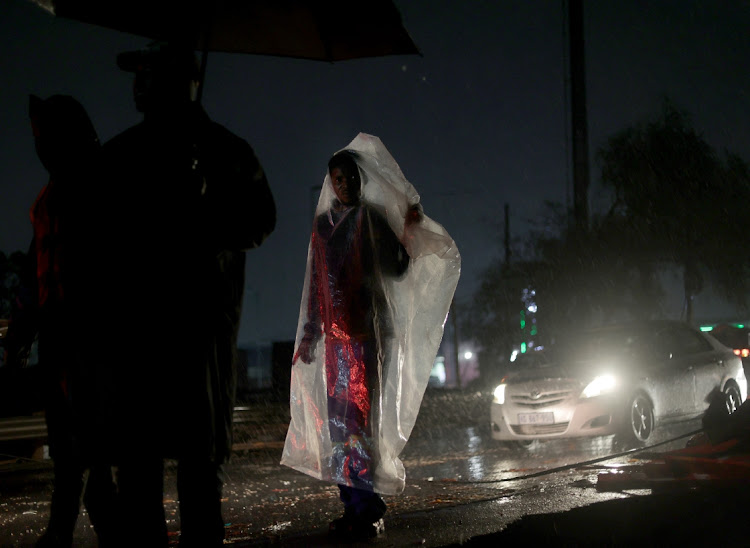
<point x="47" y="305"/>
<point x="185" y="198"/>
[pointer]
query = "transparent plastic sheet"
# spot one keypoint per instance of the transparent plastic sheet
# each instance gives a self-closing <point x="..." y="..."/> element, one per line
<point x="400" y="358"/>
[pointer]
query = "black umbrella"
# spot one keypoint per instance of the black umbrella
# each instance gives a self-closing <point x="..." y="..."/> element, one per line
<point x="324" y="30"/>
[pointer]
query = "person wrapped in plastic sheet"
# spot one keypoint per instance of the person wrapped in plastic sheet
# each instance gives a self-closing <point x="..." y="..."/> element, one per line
<point x="380" y="278"/>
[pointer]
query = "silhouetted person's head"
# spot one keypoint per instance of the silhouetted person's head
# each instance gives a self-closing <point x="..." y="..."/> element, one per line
<point x="166" y="77"/>
<point x="345" y="178"/>
<point x="64" y="136"/>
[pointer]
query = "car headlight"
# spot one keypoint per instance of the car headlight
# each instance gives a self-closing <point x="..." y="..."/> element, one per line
<point x="603" y="384"/>
<point x="499" y="394"/>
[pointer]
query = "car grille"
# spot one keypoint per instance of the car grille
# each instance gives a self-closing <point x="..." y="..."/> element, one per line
<point x="539" y="429"/>
<point x="540" y="400"/>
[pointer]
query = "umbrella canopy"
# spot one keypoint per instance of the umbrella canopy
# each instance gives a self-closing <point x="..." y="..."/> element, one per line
<point x="325" y="30"/>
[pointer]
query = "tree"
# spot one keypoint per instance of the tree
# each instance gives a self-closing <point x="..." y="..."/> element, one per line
<point x="680" y="202"/>
<point x="675" y="201"/>
<point x="581" y="278"/>
<point x="494" y="318"/>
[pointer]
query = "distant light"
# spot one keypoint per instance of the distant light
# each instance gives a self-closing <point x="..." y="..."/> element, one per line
<point x="468" y="354"/>
<point x="513" y="355"/>
<point x="532" y="308"/>
<point x="523" y="348"/>
<point x="438" y="369"/>
<point x="705" y="328"/>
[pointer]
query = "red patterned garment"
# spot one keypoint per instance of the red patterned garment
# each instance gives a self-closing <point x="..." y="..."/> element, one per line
<point x="47" y="246"/>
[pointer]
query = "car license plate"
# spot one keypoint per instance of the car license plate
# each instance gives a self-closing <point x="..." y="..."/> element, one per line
<point x="536" y="418"/>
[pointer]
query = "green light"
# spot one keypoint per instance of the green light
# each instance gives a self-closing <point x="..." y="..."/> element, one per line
<point x="533" y="330"/>
<point x="705" y="328"/>
<point x="739" y="325"/>
<point x="523" y="348"/>
<point x="523" y="320"/>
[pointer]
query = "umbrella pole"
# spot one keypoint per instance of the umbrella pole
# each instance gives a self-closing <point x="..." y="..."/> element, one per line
<point x="204" y="61"/>
<point x="206" y="32"/>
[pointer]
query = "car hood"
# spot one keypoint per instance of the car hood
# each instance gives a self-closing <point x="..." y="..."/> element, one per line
<point x="546" y="372"/>
<point x="583" y="371"/>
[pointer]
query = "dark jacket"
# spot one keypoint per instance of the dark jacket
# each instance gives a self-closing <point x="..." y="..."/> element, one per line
<point x="68" y="147"/>
<point x="181" y="204"/>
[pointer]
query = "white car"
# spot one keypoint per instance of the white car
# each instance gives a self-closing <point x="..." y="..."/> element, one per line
<point x="620" y="379"/>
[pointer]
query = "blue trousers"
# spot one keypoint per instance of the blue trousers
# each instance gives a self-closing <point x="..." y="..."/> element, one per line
<point x="350" y="427"/>
<point x="361" y="503"/>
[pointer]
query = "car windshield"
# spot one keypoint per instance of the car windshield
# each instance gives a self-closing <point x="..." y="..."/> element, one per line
<point x="607" y="342"/>
<point x="530" y="360"/>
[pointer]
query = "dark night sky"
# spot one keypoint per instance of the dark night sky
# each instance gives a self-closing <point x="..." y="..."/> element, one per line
<point x="478" y="121"/>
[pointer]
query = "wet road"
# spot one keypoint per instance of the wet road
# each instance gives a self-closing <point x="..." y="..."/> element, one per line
<point x="456" y="463"/>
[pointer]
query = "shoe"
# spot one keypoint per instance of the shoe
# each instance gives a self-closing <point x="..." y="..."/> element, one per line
<point x="348" y="528"/>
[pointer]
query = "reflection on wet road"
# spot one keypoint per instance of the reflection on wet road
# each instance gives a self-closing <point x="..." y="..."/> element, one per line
<point x="470" y="453"/>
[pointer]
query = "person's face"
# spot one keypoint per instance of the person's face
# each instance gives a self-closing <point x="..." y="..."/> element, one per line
<point x="346" y="184"/>
<point x="158" y="90"/>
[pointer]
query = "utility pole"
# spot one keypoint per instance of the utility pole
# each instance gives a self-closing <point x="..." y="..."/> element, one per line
<point x="579" y="118"/>
<point x="507" y="236"/>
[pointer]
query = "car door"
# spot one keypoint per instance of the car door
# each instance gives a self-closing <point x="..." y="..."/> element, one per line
<point x="697" y="354"/>
<point x="709" y="368"/>
<point x="673" y="378"/>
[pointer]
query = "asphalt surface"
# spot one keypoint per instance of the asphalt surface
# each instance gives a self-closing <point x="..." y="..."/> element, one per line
<point x="704" y="517"/>
<point x="446" y="515"/>
<point x="446" y="501"/>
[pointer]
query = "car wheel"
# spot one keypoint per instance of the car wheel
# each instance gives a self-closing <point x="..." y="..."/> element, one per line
<point x="638" y="424"/>
<point x="731" y="397"/>
<point x="524" y="444"/>
<point x="519" y="444"/>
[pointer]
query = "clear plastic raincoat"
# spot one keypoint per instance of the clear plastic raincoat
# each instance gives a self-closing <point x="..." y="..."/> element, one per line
<point x="375" y="299"/>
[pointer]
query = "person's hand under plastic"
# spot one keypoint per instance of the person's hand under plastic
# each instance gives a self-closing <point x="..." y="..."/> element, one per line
<point x="305" y="351"/>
